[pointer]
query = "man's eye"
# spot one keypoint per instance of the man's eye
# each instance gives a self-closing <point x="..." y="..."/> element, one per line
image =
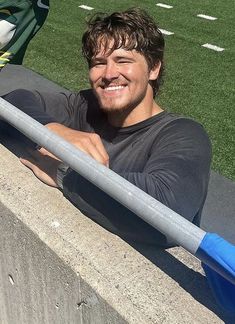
<point x="94" y="64"/>
<point x="98" y="64"/>
<point x="124" y="61"/>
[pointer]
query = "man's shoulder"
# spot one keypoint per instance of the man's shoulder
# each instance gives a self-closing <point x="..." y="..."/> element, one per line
<point x="169" y="120"/>
<point x="184" y="129"/>
<point x="168" y="116"/>
<point x="173" y="127"/>
<point x="179" y="121"/>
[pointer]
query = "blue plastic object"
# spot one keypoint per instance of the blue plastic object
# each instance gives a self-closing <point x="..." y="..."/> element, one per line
<point x="218" y="260"/>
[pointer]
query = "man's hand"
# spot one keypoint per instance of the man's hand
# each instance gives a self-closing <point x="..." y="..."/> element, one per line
<point x="43" y="166"/>
<point x="89" y="143"/>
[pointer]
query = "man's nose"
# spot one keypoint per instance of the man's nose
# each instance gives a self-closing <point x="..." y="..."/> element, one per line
<point x="111" y="71"/>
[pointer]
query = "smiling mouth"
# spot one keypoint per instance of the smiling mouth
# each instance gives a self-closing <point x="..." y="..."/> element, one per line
<point x="113" y="88"/>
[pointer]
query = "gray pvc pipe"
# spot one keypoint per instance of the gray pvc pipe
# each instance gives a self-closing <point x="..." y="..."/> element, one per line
<point x="146" y="207"/>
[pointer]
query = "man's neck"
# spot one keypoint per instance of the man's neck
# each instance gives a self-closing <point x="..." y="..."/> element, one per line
<point x="136" y="115"/>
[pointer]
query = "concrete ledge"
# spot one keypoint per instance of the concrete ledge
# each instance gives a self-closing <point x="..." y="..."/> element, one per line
<point x="57" y="266"/>
<point x="218" y="212"/>
<point x="16" y="76"/>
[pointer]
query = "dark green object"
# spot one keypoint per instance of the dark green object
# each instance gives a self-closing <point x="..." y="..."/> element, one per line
<point x="19" y="22"/>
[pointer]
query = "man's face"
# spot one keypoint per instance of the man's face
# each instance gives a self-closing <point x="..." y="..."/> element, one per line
<point x="120" y="80"/>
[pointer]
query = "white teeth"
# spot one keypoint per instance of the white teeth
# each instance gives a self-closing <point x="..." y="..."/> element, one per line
<point x="113" y="88"/>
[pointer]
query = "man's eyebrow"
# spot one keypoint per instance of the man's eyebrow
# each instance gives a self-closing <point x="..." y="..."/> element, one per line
<point x="103" y="58"/>
<point x="118" y="57"/>
<point x="99" y="58"/>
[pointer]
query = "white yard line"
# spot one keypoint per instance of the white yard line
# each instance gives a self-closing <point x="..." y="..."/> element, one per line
<point x="206" y="17"/>
<point x="213" y="47"/>
<point x="86" y="7"/>
<point x="166" y="32"/>
<point x="163" y="5"/>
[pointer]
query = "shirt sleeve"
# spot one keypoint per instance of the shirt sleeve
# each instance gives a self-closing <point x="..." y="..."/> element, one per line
<point x="177" y="171"/>
<point x="44" y="107"/>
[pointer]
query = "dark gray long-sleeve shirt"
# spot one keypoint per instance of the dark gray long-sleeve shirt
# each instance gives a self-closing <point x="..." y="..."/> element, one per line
<point x="167" y="156"/>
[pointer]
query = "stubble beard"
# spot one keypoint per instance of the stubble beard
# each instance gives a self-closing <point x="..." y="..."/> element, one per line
<point x="111" y="108"/>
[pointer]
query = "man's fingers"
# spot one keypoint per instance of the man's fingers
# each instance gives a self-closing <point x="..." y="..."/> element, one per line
<point x="95" y="149"/>
<point x="101" y="149"/>
<point x="30" y="158"/>
<point x="32" y="161"/>
<point x="93" y="152"/>
<point x="43" y="151"/>
<point x="43" y="166"/>
<point x="89" y="143"/>
<point x="27" y="163"/>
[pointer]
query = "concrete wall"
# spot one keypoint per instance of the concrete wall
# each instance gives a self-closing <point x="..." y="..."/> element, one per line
<point x="38" y="287"/>
<point x="58" y="266"/>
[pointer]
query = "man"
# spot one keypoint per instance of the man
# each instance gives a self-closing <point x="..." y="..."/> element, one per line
<point x="119" y="124"/>
<point x="20" y="20"/>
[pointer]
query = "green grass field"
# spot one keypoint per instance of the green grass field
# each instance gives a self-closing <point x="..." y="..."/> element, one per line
<point x="199" y="82"/>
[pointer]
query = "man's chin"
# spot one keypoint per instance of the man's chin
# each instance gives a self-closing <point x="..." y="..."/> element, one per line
<point x="109" y="109"/>
<point x="111" y="106"/>
<point x="116" y="106"/>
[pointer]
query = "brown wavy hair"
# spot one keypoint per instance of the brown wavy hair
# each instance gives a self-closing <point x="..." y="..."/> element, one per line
<point x="130" y="29"/>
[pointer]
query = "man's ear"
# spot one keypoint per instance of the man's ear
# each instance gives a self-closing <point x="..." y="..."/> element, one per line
<point x="153" y="74"/>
